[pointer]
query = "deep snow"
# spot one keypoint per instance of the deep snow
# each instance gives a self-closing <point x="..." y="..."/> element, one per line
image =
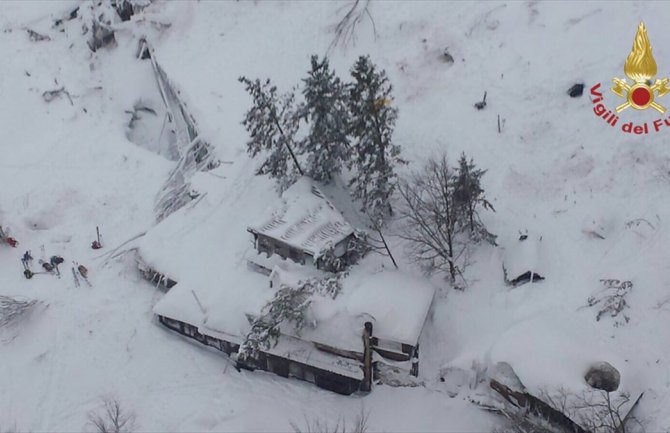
<point x="556" y="170"/>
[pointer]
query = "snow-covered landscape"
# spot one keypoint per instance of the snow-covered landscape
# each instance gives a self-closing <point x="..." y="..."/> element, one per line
<point x="131" y="121"/>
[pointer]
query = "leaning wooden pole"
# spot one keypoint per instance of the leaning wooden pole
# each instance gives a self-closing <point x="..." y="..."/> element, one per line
<point x="281" y="131"/>
<point x="388" y="250"/>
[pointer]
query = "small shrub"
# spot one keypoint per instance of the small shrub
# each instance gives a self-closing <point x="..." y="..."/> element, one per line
<point x="112" y="417"/>
<point x="611" y="301"/>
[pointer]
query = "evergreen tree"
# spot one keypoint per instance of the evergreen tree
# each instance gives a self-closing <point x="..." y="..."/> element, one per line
<point x="469" y="195"/>
<point x="272" y="125"/>
<point x="289" y="305"/>
<point x="325" y="110"/>
<point x="374" y="153"/>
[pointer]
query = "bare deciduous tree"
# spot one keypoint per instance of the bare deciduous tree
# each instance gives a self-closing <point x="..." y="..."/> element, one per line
<point x="430" y="217"/>
<point x="112" y="417"/>
<point x="345" y="30"/>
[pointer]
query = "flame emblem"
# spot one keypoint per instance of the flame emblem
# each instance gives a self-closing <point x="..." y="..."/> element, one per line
<point x="640" y="67"/>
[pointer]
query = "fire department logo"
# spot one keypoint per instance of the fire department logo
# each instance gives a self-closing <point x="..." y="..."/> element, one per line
<point x="640" y="67"/>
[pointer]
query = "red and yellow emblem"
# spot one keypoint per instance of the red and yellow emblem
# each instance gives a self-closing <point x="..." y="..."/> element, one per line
<point x="640" y="67"/>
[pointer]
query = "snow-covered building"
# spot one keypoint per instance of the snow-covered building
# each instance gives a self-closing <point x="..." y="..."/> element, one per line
<point x="330" y="350"/>
<point x="307" y="229"/>
<point x="374" y="318"/>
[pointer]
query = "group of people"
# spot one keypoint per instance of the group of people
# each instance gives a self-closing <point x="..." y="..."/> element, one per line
<point x="51" y="266"/>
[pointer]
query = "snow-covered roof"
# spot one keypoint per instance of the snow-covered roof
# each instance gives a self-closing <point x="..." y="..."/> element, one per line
<point x="302" y="351"/>
<point x="305" y="219"/>
<point x="186" y="245"/>
<point x="525" y="255"/>
<point x="396" y="304"/>
<point x="180" y="305"/>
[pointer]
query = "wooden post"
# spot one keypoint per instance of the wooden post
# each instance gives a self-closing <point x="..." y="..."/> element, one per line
<point x="415" y="362"/>
<point x="499" y="124"/>
<point x="367" y="358"/>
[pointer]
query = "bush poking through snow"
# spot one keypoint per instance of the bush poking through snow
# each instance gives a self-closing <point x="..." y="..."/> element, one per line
<point x="345" y="30"/>
<point x="12" y="310"/>
<point x="611" y="300"/>
<point x="112" y="417"/>
<point x="592" y="411"/>
<point x="322" y="426"/>
<point x="596" y="411"/>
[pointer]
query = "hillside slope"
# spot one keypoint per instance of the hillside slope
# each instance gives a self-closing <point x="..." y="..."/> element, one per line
<point x="555" y="170"/>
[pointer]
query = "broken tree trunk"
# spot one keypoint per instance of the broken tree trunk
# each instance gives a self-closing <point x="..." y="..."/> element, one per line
<point x="536" y="406"/>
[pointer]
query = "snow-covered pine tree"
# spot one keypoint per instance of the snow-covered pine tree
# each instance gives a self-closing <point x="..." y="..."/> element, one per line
<point x="325" y="110"/>
<point x="469" y="196"/>
<point x="374" y="153"/>
<point x="289" y="305"/>
<point x="272" y="124"/>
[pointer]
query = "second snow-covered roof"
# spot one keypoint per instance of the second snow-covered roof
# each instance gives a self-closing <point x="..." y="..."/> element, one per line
<point x="305" y="220"/>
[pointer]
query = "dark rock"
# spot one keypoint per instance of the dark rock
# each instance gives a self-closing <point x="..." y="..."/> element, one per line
<point x="447" y="57"/>
<point x="125" y="10"/>
<point x="36" y="37"/>
<point x="101" y="36"/>
<point x="603" y="375"/>
<point x="576" y="90"/>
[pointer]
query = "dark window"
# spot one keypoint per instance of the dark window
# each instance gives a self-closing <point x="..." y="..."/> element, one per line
<point x="264" y="245"/>
<point x="278" y="366"/>
<point x="171" y="323"/>
<point x="282" y="250"/>
<point x="296" y="370"/>
<point x="214" y="342"/>
<point x="296" y="256"/>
